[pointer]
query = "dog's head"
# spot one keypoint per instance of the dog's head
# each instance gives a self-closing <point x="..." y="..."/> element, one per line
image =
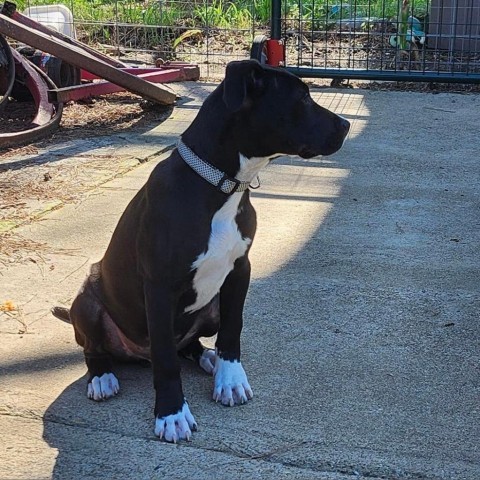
<point x="277" y="114"/>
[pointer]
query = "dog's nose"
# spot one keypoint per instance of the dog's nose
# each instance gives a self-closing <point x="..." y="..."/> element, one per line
<point x="344" y="125"/>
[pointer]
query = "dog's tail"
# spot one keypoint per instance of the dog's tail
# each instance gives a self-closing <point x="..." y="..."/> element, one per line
<point x="62" y="314"/>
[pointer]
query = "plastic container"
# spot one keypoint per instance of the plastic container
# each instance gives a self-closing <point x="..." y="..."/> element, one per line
<point x="58" y="17"/>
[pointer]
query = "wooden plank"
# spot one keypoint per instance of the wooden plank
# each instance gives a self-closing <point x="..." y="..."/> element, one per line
<point x="74" y="55"/>
<point x="189" y="70"/>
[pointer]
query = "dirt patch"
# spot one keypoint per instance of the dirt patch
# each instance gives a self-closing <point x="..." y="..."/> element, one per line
<point x="101" y="116"/>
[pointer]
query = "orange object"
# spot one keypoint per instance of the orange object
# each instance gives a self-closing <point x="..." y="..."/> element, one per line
<point x="7" y="306"/>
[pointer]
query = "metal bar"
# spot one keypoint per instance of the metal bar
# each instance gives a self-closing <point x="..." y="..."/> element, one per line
<point x="395" y="76"/>
<point x="7" y="77"/>
<point x="276" y="29"/>
<point x="78" y="92"/>
<point x="74" y="55"/>
<point x="139" y="72"/>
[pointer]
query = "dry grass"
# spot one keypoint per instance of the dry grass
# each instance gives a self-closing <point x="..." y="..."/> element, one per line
<point x="19" y="189"/>
<point x="35" y="186"/>
<point x="102" y="116"/>
<point x="27" y="192"/>
<point x="38" y="185"/>
<point x="16" y="249"/>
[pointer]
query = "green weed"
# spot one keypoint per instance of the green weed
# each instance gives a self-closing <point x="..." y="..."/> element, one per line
<point x="218" y="13"/>
<point x="315" y="14"/>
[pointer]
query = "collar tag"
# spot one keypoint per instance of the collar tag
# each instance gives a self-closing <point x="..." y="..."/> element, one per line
<point x="258" y="185"/>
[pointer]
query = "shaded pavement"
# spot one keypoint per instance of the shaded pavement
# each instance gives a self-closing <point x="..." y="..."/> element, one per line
<point x="361" y="337"/>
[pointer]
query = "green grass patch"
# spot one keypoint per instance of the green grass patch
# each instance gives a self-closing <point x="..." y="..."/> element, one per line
<point x="243" y="14"/>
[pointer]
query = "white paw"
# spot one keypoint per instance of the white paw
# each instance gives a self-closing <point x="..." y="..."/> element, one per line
<point x="101" y="388"/>
<point x="176" y="427"/>
<point x="231" y="384"/>
<point x="207" y="360"/>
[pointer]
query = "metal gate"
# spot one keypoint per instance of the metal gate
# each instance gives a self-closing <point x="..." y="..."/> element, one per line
<point x="410" y="40"/>
<point x="400" y="40"/>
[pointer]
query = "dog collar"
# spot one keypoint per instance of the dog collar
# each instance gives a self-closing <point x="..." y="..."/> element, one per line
<point x="211" y="174"/>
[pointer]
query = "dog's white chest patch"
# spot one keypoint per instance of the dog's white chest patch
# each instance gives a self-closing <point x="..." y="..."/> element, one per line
<point x="225" y="245"/>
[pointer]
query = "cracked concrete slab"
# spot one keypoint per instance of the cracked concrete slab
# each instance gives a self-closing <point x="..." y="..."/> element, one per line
<point x="361" y="335"/>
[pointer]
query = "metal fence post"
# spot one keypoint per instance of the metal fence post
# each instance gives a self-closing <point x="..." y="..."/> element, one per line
<point x="276" y="27"/>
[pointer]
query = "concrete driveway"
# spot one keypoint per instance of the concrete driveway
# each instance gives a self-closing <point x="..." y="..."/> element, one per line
<point x="361" y="336"/>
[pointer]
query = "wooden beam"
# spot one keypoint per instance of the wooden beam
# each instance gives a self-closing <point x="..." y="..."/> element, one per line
<point x="74" y="55"/>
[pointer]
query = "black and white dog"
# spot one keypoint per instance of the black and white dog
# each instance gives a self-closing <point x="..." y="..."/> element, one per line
<point x="177" y="266"/>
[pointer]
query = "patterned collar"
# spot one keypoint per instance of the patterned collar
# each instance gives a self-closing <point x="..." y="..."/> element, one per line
<point x="211" y="174"/>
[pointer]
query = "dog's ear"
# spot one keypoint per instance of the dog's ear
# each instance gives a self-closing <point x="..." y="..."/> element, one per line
<point x="242" y="79"/>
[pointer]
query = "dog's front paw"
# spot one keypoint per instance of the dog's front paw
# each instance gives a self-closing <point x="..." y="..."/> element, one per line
<point x="175" y="427"/>
<point x="231" y="384"/>
<point x="101" y="388"/>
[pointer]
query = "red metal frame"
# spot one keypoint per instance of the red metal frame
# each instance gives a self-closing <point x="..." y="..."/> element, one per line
<point x="37" y="88"/>
<point x="47" y="118"/>
<point x="275" y="53"/>
<point x="163" y="74"/>
<point x="104" y="87"/>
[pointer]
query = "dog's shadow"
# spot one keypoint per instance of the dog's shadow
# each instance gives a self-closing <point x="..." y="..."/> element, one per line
<point x="88" y="435"/>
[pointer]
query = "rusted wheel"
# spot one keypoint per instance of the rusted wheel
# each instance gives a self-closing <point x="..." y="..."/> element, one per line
<point x="7" y="72"/>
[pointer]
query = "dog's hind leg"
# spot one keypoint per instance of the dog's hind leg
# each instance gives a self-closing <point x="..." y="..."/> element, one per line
<point x="204" y="357"/>
<point x="205" y="323"/>
<point x="86" y="315"/>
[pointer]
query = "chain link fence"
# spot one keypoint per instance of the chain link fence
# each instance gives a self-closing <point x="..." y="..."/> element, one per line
<point x="209" y="33"/>
<point x="419" y="40"/>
